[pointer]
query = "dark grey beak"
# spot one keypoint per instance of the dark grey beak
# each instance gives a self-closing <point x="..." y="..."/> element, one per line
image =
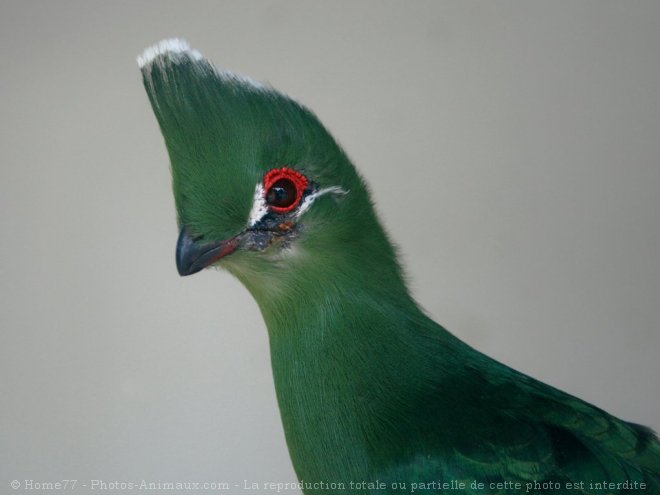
<point x="193" y="255"/>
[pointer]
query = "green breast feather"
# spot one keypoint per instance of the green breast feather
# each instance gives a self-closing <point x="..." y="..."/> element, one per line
<point x="374" y="396"/>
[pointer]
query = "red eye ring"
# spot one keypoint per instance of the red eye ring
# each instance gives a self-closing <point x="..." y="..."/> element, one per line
<point x="293" y="179"/>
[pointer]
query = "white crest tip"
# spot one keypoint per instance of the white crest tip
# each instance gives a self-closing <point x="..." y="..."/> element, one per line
<point x="167" y="46"/>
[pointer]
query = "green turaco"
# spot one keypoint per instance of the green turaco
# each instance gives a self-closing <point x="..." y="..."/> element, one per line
<point x="375" y="397"/>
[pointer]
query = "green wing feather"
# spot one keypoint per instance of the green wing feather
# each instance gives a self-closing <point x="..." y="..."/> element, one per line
<point x="519" y="430"/>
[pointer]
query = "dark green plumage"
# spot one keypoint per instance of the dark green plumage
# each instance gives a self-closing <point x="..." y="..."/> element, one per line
<point x="369" y="387"/>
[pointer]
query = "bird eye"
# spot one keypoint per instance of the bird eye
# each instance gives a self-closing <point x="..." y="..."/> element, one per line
<point x="284" y="188"/>
<point x="282" y="194"/>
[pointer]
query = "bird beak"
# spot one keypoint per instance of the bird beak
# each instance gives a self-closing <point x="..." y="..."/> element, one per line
<point x="193" y="255"/>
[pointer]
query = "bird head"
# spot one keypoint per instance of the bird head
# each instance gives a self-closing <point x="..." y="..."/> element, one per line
<point x="260" y="185"/>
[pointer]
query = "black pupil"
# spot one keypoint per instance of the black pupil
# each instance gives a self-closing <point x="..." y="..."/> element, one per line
<point x="281" y="194"/>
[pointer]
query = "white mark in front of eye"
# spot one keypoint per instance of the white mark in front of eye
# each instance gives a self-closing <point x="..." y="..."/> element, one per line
<point x="309" y="200"/>
<point x="259" y="206"/>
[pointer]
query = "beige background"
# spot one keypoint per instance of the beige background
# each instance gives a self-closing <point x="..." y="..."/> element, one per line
<point x="513" y="149"/>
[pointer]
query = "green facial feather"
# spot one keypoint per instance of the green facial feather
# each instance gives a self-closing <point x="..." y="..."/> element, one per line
<point x="369" y="387"/>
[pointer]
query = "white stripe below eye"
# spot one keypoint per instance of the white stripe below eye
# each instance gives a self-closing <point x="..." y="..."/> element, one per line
<point x="259" y="206"/>
<point x="307" y="202"/>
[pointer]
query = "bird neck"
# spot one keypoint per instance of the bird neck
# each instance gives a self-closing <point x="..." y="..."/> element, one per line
<point x="335" y="364"/>
<point x="347" y="341"/>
